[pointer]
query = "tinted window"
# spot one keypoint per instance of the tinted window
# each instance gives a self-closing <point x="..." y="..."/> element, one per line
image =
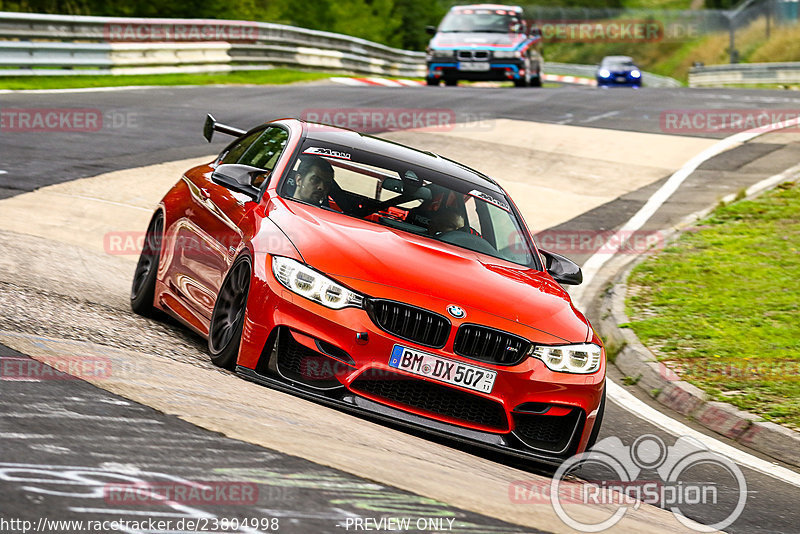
<point x="265" y="150"/>
<point x="237" y="148"/>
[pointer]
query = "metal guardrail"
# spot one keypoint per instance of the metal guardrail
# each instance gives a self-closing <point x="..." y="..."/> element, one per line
<point x="744" y="74"/>
<point x="256" y="43"/>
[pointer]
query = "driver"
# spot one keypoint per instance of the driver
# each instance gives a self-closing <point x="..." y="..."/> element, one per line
<point x="314" y="179"/>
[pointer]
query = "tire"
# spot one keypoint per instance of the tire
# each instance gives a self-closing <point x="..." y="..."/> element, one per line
<point x="598" y="422"/>
<point x="432" y="81"/>
<point x="143" y="287"/>
<point x="536" y="81"/>
<point x="227" y="319"/>
<point x="526" y="80"/>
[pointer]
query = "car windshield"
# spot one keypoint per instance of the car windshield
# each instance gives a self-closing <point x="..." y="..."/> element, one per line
<point x="407" y="198"/>
<point x="481" y="20"/>
<point x="619" y="64"/>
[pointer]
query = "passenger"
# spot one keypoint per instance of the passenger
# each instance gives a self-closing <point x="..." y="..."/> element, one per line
<point x="314" y="180"/>
<point x="445" y="220"/>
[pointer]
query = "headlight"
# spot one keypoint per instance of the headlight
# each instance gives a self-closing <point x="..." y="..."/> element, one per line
<point x="578" y="358"/>
<point x="500" y="54"/>
<point x="434" y="53"/>
<point x="604" y="73"/>
<point x="306" y="282"/>
<point x="635" y="74"/>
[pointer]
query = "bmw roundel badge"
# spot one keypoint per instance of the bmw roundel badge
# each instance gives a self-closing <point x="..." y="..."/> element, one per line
<point x="456" y="311"/>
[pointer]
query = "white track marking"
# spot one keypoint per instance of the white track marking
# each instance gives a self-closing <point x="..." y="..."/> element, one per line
<point x="3" y="172"/>
<point x="626" y="400"/>
<point x="615" y="392"/>
<point x="601" y="116"/>
<point x="104" y="201"/>
<point x="594" y="263"/>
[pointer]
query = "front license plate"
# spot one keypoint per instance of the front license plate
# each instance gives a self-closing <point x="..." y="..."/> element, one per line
<point x="473" y="66"/>
<point x="442" y="369"/>
<point x="621" y="78"/>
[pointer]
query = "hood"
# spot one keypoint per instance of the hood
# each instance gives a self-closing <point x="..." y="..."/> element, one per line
<point x="477" y="40"/>
<point x="379" y="261"/>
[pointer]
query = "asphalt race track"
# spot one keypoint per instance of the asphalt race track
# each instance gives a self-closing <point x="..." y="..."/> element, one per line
<point x="62" y="439"/>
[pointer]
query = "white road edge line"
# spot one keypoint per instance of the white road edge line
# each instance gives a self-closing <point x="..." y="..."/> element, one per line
<point x="3" y="172"/>
<point x="101" y="200"/>
<point x="626" y="400"/>
<point x="615" y="392"/>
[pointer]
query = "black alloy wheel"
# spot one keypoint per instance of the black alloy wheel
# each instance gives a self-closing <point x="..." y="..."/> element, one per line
<point x="144" y="278"/>
<point x="227" y="319"/>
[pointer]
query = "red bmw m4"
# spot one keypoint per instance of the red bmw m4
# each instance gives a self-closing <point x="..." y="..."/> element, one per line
<point x="379" y="279"/>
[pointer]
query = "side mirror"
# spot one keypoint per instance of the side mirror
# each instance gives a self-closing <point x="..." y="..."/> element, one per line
<point x="238" y="178"/>
<point x="430" y="30"/>
<point x="562" y="269"/>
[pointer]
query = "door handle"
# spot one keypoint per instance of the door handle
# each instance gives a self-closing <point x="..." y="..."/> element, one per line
<point x="205" y="193"/>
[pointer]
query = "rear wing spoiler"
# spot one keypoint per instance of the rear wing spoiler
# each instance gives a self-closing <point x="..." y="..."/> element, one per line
<point x="211" y="125"/>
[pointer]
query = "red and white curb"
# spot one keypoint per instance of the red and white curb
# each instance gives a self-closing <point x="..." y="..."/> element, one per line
<point x="385" y="82"/>
<point x="569" y="79"/>
<point x="377" y="82"/>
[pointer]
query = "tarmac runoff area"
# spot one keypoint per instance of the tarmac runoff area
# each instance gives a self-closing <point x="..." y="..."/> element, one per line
<point x="64" y="293"/>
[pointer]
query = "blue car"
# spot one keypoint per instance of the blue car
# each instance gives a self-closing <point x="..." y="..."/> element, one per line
<point x="618" y="71"/>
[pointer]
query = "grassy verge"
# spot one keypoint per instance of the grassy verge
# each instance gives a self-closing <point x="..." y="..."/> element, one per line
<point x="756" y="43"/>
<point x="256" y="77"/>
<point x="721" y="307"/>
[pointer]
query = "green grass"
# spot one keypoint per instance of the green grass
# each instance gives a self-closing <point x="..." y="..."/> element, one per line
<point x="675" y="57"/>
<point x="256" y="77"/>
<point x="721" y="306"/>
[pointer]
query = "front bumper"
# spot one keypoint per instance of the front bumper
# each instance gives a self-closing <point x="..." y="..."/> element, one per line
<point x="340" y="358"/>
<point x="498" y="70"/>
<point x="507" y="443"/>
<point x="619" y="79"/>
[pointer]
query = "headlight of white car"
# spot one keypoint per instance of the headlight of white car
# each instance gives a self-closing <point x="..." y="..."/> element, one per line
<point x="577" y="358"/>
<point x="433" y="53"/>
<point x="502" y="54"/>
<point x="306" y="282"/>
